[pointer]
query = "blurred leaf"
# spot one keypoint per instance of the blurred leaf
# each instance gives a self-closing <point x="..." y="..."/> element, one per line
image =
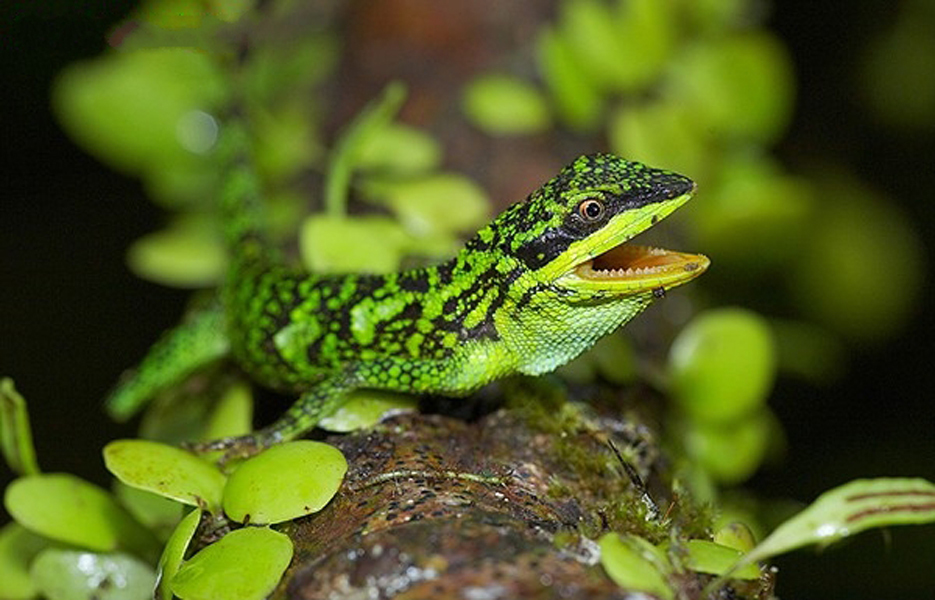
<point x="576" y="98"/>
<point x="76" y="575"/>
<point x="232" y="415"/>
<point x="504" y="105"/>
<point x="127" y="109"/>
<point x="400" y="149"/>
<point x="186" y="255"/>
<point x="274" y="71"/>
<point x="65" y="508"/>
<point x="708" y="557"/>
<point x="730" y="452"/>
<point x="351" y="245"/>
<point x="15" y="432"/>
<point x="635" y="565"/>
<point x="809" y="352"/>
<point x="661" y="133"/>
<point x="167" y="471"/>
<point x="897" y="69"/>
<point x="285" y="482"/>
<point x="376" y="116"/>
<point x="174" y="552"/>
<point x="18" y="547"/>
<point x="738" y="86"/>
<point x="849" y="509"/>
<point x="245" y="564"/>
<point x="754" y="214"/>
<point x="366" y="408"/>
<point x="435" y="204"/>
<point x="735" y="535"/>
<point x="284" y="144"/>
<point x="620" y="48"/>
<point x="158" y="513"/>
<point x="860" y="271"/>
<point x="230" y="10"/>
<point x="722" y="365"/>
<point x="172" y="14"/>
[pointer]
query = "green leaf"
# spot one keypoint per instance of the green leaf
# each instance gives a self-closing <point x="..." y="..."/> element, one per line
<point x="503" y="105"/>
<point x="129" y="108"/>
<point x="158" y="513"/>
<point x="366" y="408"/>
<point x="577" y="101"/>
<point x="184" y="255"/>
<point x="284" y="482"/>
<point x="76" y="575"/>
<point x="167" y="471"/>
<point x="708" y="557"/>
<point x="171" y="560"/>
<point x="731" y="452"/>
<point x="355" y="137"/>
<point x="849" y="509"/>
<point x="245" y="564"/>
<point x="65" y="508"/>
<point x="756" y="214"/>
<point x="735" y="535"/>
<point x="232" y="415"/>
<point x="620" y="48"/>
<point x="434" y="204"/>
<point x="400" y="149"/>
<point x="662" y="133"/>
<point x="18" y="547"/>
<point x="331" y="244"/>
<point x="739" y="86"/>
<point x="635" y="565"/>
<point x="15" y="432"/>
<point x="722" y="365"/>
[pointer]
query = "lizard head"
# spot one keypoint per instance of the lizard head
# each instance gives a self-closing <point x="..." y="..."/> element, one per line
<point x="573" y="232"/>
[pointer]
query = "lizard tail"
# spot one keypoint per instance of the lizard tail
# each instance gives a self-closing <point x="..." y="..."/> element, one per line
<point x="240" y="194"/>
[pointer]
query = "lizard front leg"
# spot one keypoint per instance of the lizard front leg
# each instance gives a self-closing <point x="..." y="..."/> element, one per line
<point x="305" y="413"/>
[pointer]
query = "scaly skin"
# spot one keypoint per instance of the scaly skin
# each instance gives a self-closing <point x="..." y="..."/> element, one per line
<point x="522" y="296"/>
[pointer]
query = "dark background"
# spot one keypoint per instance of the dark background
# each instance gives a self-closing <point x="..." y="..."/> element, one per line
<point x="72" y="317"/>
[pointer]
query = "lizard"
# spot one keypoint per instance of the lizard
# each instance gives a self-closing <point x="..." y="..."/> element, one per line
<point x="530" y="291"/>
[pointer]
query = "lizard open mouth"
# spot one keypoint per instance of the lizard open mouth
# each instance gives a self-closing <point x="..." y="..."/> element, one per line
<point x="642" y="267"/>
<point x="629" y="261"/>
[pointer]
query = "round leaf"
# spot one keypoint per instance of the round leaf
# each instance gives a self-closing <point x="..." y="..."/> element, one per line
<point x="127" y="108"/>
<point x="634" y="564"/>
<point x="441" y="203"/>
<point x="65" y="508"/>
<point x="342" y="245"/>
<point x="366" y="408"/>
<point x="285" y="482"/>
<point x="400" y="149"/>
<point x="708" y="557"/>
<point x="499" y="104"/>
<point x="245" y="564"/>
<point x="165" y="470"/>
<point x="75" y="575"/>
<point x="18" y="547"/>
<point x="723" y="365"/>
<point x="731" y="453"/>
<point x="182" y="256"/>
<point x="174" y="552"/>
<point x="738" y="86"/>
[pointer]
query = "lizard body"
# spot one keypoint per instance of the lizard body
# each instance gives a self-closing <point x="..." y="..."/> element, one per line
<point x="530" y="291"/>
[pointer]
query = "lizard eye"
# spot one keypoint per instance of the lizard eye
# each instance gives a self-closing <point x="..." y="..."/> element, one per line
<point x="591" y="209"/>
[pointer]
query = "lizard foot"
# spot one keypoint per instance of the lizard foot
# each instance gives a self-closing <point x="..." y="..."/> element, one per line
<point x="235" y="448"/>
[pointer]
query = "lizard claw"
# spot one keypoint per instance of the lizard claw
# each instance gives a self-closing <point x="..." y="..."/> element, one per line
<point x="234" y="448"/>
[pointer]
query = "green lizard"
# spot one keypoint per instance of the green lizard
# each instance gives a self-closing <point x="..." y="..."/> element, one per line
<point x="530" y="291"/>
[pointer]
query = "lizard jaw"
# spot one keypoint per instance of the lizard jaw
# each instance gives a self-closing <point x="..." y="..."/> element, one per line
<point x="633" y="269"/>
